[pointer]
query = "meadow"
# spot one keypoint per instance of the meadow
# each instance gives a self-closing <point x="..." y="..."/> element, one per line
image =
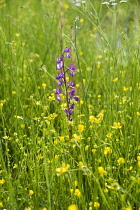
<point x="60" y="156"/>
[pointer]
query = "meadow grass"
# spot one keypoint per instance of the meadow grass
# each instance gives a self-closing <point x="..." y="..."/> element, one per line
<point x="42" y="167"/>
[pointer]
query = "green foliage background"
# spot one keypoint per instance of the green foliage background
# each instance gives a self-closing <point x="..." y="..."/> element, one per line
<point x="34" y="138"/>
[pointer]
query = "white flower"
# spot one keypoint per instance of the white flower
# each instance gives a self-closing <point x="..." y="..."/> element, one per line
<point x="123" y="1"/>
<point x="105" y="2"/>
<point x="78" y="3"/>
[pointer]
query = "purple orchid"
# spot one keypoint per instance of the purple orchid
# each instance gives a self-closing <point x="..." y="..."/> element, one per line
<point x="72" y="106"/>
<point x="59" y="62"/>
<point x="72" y="84"/>
<point x="68" y="112"/>
<point x="58" y="91"/>
<point x="68" y="86"/>
<point x="60" y="82"/>
<point x="76" y="98"/>
<point x="58" y="98"/>
<point x="71" y="93"/>
<point x="67" y="51"/>
<point x="72" y="73"/>
<point x="60" y="75"/>
<point x="72" y="67"/>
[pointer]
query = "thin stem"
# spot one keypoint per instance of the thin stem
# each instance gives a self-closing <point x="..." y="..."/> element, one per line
<point x="68" y="103"/>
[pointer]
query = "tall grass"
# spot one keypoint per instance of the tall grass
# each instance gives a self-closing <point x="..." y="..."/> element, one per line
<point x="41" y="167"/>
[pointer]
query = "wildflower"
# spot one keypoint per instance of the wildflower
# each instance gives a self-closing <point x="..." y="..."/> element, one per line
<point x="100" y="56"/>
<point x="105" y="190"/>
<point x="31" y="192"/>
<point x="28" y="208"/>
<point x="71" y="93"/>
<point x="64" y="80"/>
<point x="96" y="204"/>
<point x="109" y="135"/>
<point x="59" y="63"/>
<point x="55" y="142"/>
<point x="76" y="138"/>
<point x="58" y="92"/>
<point x="76" y="98"/>
<point x="107" y="150"/>
<point x="73" y="207"/>
<point x="67" y="79"/>
<point x="56" y="157"/>
<point x="2" y="181"/>
<point x="80" y="164"/>
<point x="138" y="113"/>
<point x="80" y="128"/>
<point x="75" y="183"/>
<point x="61" y="138"/>
<point x="66" y="6"/>
<point x="15" y="166"/>
<point x="77" y="192"/>
<point x="105" y="3"/>
<point x="62" y="169"/>
<point x="92" y="118"/>
<point x="101" y="170"/>
<point x="36" y="55"/>
<point x="93" y="150"/>
<point x="98" y="65"/>
<point x="1" y="104"/>
<point x="121" y="160"/>
<point x="71" y="190"/>
<point x="71" y="67"/>
<point x="1" y="204"/>
<point x="125" y="88"/>
<point x="78" y="3"/>
<point x="67" y="50"/>
<point x="138" y="158"/>
<point x="14" y="92"/>
<point x="128" y="208"/>
<point x="92" y="35"/>
<point x="6" y="137"/>
<point x="81" y="20"/>
<point x="86" y="147"/>
<point x="116" y="125"/>
<point x="115" y="79"/>
<point x="38" y="103"/>
<point x="138" y="180"/>
<point x="17" y="34"/>
<point x="23" y="44"/>
<point x="44" y="85"/>
<point x="101" y="114"/>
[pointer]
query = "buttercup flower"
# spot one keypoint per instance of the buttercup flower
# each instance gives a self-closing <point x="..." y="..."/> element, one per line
<point x="80" y="128"/>
<point x="62" y="169"/>
<point x="121" y="160"/>
<point x="101" y="170"/>
<point x="31" y="192"/>
<point x="72" y="207"/>
<point x="96" y="204"/>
